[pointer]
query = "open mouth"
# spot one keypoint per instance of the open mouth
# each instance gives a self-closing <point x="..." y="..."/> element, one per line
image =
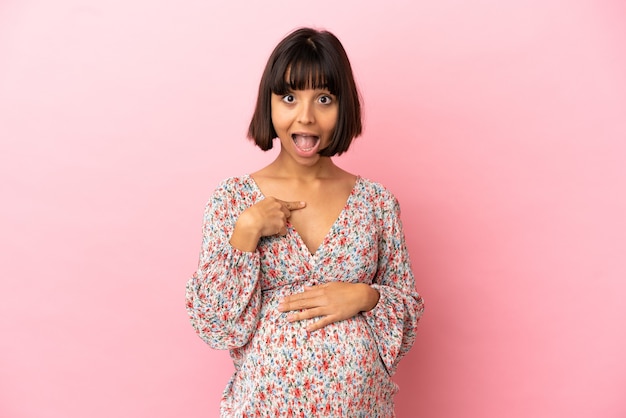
<point x="305" y="142"/>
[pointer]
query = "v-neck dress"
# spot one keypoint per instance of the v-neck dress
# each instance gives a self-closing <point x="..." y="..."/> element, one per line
<point x="281" y="370"/>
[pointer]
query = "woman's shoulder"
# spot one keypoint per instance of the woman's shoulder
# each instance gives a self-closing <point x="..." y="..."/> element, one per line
<point x="375" y="190"/>
<point x="377" y="196"/>
<point x="241" y="185"/>
<point x="234" y="182"/>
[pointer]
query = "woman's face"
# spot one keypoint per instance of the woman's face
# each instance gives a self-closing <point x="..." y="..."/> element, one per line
<point x="305" y="121"/>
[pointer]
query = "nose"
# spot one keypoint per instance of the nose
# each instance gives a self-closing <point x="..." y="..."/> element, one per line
<point x="306" y="114"/>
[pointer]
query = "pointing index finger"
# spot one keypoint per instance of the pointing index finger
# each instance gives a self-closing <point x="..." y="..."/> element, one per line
<point x="294" y="205"/>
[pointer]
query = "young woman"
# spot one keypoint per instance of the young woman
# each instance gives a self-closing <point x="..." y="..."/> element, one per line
<point x="304" y="274"/>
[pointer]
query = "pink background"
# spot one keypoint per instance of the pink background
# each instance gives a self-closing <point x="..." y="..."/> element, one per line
<point x="500" y="126"/>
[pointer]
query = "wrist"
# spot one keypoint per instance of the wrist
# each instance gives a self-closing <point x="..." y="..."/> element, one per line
<point x="245" y="236"/>
<point x="370" y="299"/>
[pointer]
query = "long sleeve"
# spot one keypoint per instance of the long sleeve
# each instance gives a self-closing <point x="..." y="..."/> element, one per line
<point x="395" y="317"/>
<point x="223" y="296"/>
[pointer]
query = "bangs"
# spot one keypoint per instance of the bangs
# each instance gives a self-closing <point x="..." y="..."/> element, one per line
<point x="304" y="69"/>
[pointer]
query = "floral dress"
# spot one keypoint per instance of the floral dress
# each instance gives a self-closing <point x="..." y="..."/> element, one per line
<point x="281" y="370"/>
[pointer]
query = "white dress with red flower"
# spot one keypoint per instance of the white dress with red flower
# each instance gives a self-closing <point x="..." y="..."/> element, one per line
<point x="282" y="370"/>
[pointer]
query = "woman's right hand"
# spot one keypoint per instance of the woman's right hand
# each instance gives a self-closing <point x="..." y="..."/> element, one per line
<point x="265" y="218"/>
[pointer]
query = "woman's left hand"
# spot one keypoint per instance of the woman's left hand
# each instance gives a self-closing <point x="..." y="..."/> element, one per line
<point x="333" y="302"/>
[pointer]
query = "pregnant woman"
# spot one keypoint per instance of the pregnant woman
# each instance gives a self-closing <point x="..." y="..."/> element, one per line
<point x="304" y="273"/>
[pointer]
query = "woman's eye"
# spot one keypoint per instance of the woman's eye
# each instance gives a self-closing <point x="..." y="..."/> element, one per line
<point x="288" y="98"/>
<point x="325" y="100"/>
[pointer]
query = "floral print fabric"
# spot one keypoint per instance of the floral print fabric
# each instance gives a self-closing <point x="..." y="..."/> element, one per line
<point x="281" y="370"/>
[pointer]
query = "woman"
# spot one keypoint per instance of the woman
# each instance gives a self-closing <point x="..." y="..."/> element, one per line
<point x="304" y="274"/>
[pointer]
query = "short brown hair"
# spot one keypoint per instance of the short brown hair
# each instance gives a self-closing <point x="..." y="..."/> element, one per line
<point x="308" y="58"/>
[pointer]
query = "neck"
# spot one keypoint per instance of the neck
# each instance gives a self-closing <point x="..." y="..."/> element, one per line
<point x="284" y="166"/>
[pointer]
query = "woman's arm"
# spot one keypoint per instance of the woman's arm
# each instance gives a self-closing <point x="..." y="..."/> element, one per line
<point x="394" y="318"/>
<point x="223" y="296"/>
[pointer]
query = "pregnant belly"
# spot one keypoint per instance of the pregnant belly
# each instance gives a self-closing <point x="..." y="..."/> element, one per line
<point x="283" y="357"/>
<point x="326" y="372"/>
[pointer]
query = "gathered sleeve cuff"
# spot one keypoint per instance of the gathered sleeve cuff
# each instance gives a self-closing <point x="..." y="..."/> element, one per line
<point x="394" y="321"/>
